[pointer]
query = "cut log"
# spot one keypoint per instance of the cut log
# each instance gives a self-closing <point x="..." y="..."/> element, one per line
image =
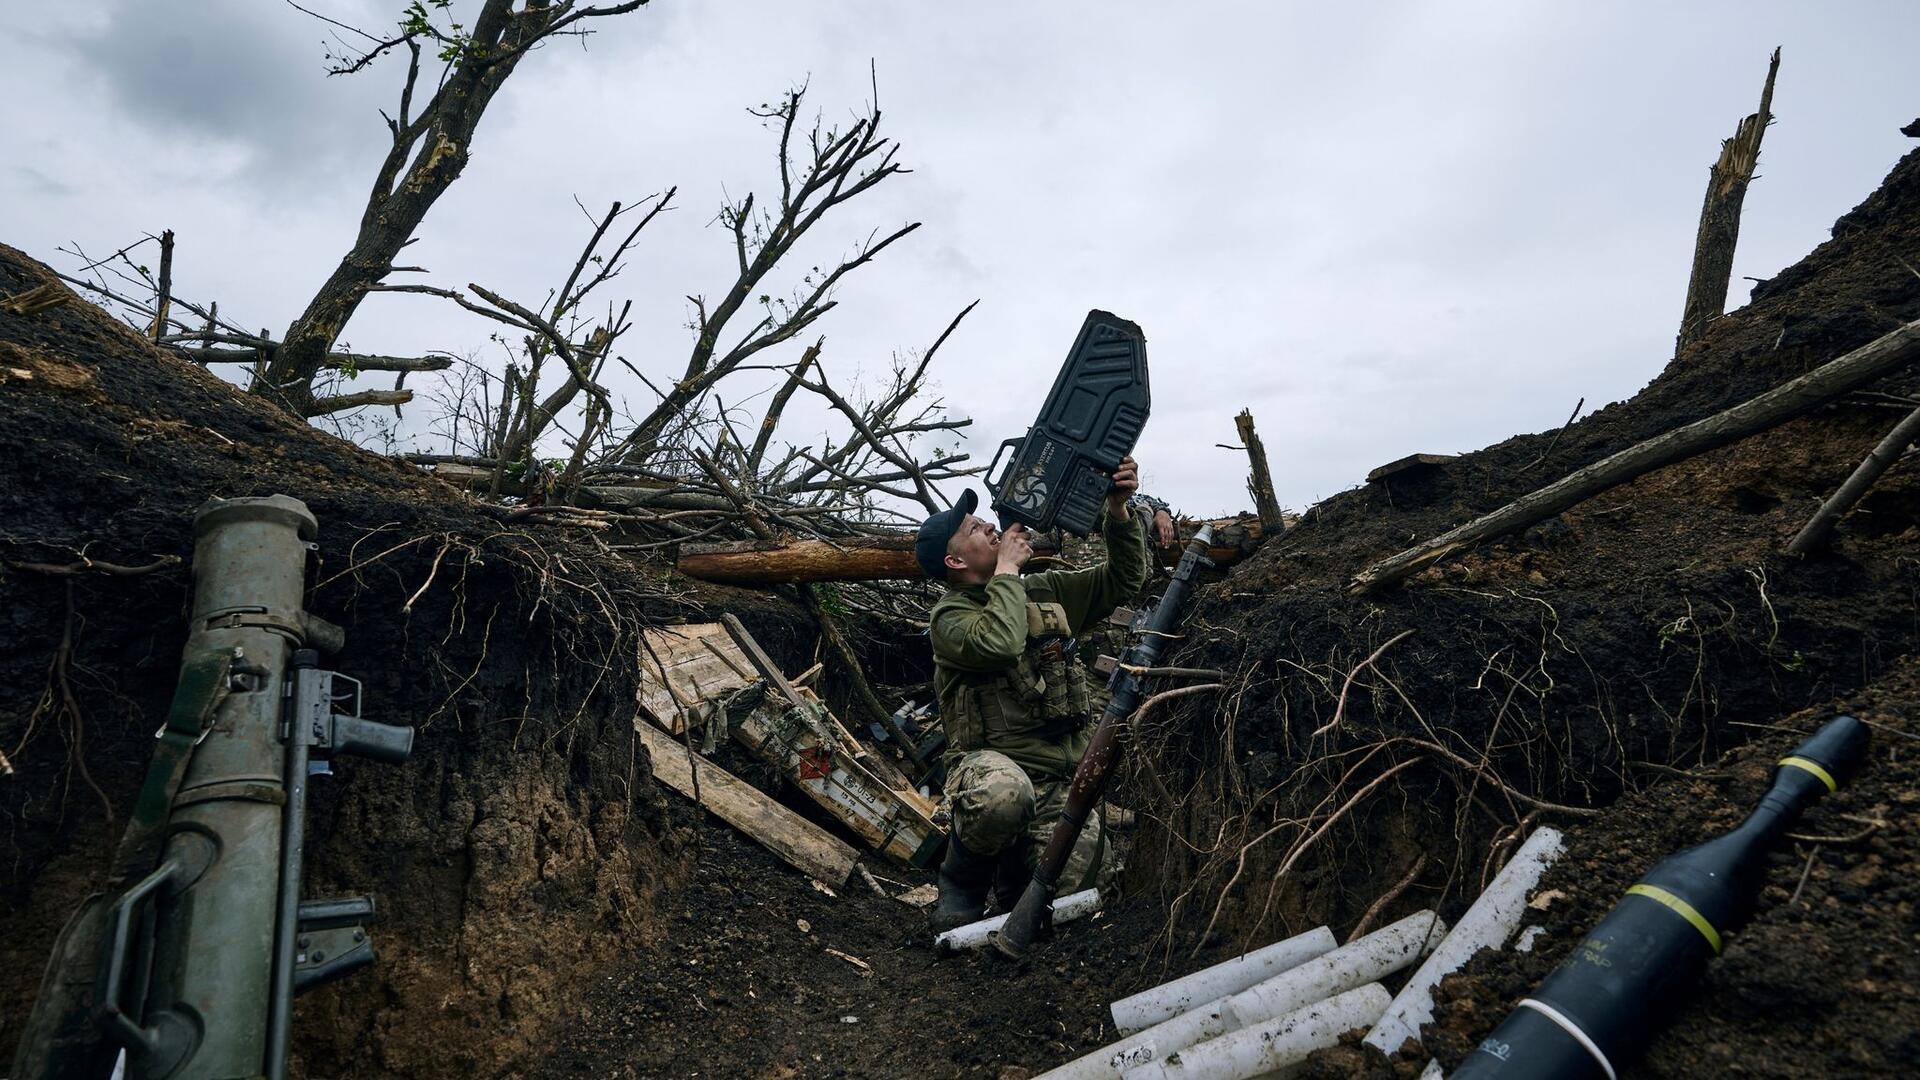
<point x="1871" y="361"/>
<point x="1259" y="477"/>
<point x="1719" y="230"/>
<point x="1814" y="533"/>
<point x="886" y="557"/>
<point x="889" y="556"/>
<point x="798" y="842"/>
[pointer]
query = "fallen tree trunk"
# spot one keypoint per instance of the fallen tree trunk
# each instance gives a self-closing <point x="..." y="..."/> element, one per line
<point x="1814" y="533"/>
<point x="1863" y="365"/>
<point x="886" y="557"/>
<point x="889" y="556"/>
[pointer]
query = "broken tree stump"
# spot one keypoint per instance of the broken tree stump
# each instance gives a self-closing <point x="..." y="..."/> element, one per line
<point x="1875" y="359"/>
<point x="1259" y="478"/>
<point x="163" y="292"/>
<point x="1814" y="533"/>
<point x="1719" y="231"/>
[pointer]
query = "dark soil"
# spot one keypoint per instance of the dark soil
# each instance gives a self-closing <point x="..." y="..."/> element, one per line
<point x="737" y="986"/>
<point x="524" y="844"/>
<point x="1643" y="626"/>
<point x="549" y="911"/>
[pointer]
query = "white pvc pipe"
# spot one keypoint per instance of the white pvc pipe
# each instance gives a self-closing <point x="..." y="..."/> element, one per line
<point x="1432" y="1071"/>
<point x="1487" y="924"/>
<point x="1188" y="992"/>
<point x="1274" y="1044"/>
<point x="974" y="935"/>
<point x="1355" y="964"/>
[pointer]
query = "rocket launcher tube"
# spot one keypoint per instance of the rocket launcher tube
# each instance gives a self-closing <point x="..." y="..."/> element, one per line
<point x="1606" y="1000"/>
<point x="1029" y="913"/>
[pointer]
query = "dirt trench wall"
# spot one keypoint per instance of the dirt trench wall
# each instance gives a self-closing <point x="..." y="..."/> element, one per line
<point x="521" y="848"/>
<point x="1648" y="628"/>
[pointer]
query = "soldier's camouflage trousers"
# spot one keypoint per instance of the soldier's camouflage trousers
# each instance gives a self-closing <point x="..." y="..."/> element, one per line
<point x="994" y="802"/>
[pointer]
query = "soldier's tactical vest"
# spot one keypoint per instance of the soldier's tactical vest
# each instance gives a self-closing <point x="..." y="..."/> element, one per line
<point x="1043" y="695"/>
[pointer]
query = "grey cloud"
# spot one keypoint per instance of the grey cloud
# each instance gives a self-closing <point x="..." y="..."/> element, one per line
<point x="1360" y="222"/>
<point x="244" y="74"/>
<point x="35" y="182"/>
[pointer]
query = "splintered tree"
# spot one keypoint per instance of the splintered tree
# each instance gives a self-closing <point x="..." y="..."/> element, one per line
<point x="428" y="150"/>
<point x="1720" y="218"/>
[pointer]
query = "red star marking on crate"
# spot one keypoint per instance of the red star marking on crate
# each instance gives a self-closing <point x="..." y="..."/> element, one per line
<point x="815" y="762"/>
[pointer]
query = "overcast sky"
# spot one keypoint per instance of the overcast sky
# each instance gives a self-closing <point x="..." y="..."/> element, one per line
<point x="1385" y="228"/>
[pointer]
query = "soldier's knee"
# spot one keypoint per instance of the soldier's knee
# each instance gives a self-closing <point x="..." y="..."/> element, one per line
<point x="992" y="801"/>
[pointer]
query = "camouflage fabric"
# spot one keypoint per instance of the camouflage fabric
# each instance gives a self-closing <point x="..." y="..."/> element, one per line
<point x="991" y="656"/>
<point x="994" y="803"/>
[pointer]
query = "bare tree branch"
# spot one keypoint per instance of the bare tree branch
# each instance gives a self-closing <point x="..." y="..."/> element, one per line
<point x="842" y="165"/>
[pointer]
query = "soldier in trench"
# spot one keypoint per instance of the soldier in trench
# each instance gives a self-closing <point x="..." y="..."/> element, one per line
<point x="1015" y="697"/>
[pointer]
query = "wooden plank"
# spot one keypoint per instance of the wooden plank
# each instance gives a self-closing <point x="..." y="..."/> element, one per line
<point x="758" y="657"/>
<point x="683" y="668"/>
<point x="800" y="843"/>
<point x="1409" y="463"/>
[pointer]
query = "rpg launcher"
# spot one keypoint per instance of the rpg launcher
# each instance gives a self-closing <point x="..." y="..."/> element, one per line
<point x="1029" y="916"/>
<point x="1606" y="1001"/>
<point x="1060" y="471"/>
<point x="188" y="962"/>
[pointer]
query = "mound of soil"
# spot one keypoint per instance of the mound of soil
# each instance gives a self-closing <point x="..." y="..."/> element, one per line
<point x="524" y="845"/>
<point x="1631" y="633"/>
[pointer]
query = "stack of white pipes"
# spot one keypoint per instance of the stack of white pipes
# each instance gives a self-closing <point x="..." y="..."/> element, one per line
<point x="1331" y="973"/>
<point x="1189" y="992"/>
<point x="1487" y="925"/>
<point x="1263" y="1013"/>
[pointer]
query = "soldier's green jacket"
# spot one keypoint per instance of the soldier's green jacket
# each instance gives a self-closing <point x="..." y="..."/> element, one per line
<point x="980" y="633"/>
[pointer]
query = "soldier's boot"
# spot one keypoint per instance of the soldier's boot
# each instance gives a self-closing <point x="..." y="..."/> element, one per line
<point x="1011" y="873"/>
<point x="965" y="878"/>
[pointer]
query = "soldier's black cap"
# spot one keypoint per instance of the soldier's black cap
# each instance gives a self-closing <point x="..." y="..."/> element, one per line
<point x="930" y="546"/>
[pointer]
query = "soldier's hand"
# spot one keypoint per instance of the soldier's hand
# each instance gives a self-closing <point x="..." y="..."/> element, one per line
<point x="1126" y="481"/>
<point x="1163" y="532"/>
<point x="1016" y="547"/>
